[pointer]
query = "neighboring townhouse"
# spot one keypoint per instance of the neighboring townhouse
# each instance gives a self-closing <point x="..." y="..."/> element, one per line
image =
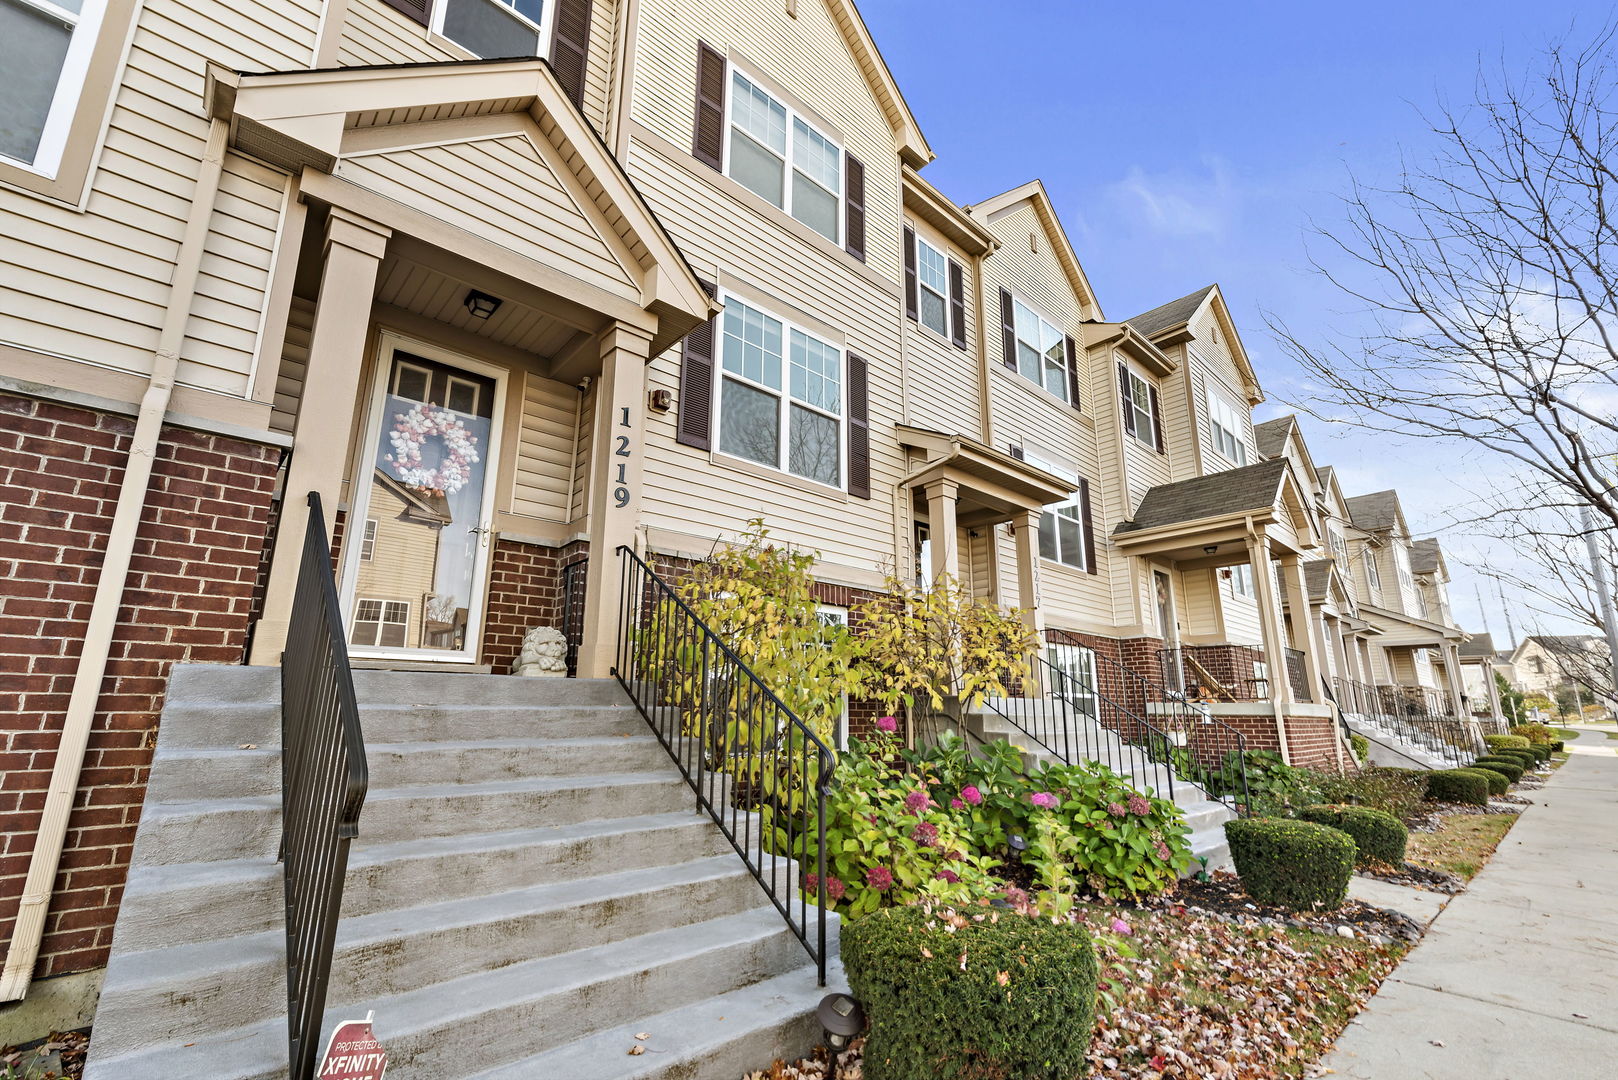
<point x="1550" y="663"/>
<point x="1478" y="656"/>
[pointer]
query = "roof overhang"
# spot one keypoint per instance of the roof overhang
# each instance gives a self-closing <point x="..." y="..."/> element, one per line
<point x="1401" y="629"/>
<point x="993" y="486"/>
<point x="1034" y="193"/>
<point x="929" y="204"/>
<point x="1131" y="342"/>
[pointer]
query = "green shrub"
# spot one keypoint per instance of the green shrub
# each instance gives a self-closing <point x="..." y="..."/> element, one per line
<point x="1296" y="864"/>
<point x="1509" y="769"/>
<point x="1024" y="1005"/>
<point x="1362" y="747"/>
<point x="1498" y="783"/>
<point x="1459" y="785"/>
<point x="1557" y="746"/>
<point x="1542" y="751"/>
<point x="1523" y="757"/>
<point x="1393" y="791"/>
<point x="1378" y="837"/>
<point x="1497" y="741"/>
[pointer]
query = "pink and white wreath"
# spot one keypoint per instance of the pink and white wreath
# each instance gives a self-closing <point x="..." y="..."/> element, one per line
<point x="410" y="433"/>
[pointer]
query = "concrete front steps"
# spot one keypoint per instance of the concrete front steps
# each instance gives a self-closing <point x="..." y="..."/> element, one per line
<point x="1390" y="748"/>
<point x="531" y="888"/>
<point x="1205" y="816"/>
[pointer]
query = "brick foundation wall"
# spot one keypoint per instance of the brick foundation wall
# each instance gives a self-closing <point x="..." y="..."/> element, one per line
<point x="188" y="599"/>
<point x="1312" y="742"/>
<point x="525" y="591"/>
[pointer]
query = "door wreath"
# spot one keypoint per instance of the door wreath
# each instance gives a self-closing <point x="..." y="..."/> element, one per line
<point x="409" y="436"/>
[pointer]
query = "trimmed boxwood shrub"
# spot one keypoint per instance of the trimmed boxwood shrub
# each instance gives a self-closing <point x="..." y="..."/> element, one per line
<point x="1459" y="785"/>
<point x="1511" y="770"/>
<point x="1497" y="741"/>
<point x="1378" y="837"/>
<point x="1540" y="750"/>
<point x="1297" y="864"/>
<point x="1497" y="781"/>
<point x="1524" y="757"/>
<point x="1557" y="746"/>
<point x="929" y="1019"/>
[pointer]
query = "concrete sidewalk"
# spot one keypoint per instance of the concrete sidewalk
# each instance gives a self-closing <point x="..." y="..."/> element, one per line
<point x="1517" y="977"/>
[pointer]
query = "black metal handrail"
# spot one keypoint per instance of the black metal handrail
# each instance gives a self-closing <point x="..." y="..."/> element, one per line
<point x="573" y="578"/>
<point x="323" y="783"/>
<point x="1417" y="715"/>
<point x="1224" y="672"/>
<point x="758" y="770"/>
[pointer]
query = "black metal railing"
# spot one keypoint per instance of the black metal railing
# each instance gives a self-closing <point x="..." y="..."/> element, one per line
<point x="323" y="782"/>
<point x="1220" y="673"/>
<point x="757" y="770"/>
<point x="1297" y="675"/>
<point x="1417" y="715"/>
<point x="573" y="578"/>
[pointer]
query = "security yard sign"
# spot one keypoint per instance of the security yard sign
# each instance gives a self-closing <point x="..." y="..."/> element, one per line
<point x="353" y="1053"/>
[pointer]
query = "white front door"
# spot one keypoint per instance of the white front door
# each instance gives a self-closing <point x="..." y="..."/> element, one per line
<point x="416" y="541"/>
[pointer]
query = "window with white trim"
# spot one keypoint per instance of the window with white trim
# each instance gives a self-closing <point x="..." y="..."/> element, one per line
<point x="1373" y="576"/>
<point x="1401" y="562"/>
<point x="932" y="279"/>
<point x="1061" y="534"/>
<point x="1140" y="407"/>
<point x="765" y="135"/>
<point x="1339" y="546"/>
<point x="368" y="541"/>
<point x="380" y="622"/>
<point x="1075" y="666"/>
<point x="1241" y="580"/>
<point x="780" y="398"/>
<point x="496" y="28"/>
<point x="833" y="626"/>
<point x="1224" y="428"/>
<point x="1041" y="352"/>
<point x="45" y="48"/>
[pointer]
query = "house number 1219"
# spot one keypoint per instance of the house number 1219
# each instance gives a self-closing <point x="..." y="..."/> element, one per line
<point x="620" y="494"/>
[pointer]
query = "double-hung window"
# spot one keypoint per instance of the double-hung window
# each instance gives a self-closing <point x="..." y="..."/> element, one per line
<point x="932" y="281"/>
<point x="380" y="622"/>
<point x="1075" y="679"/>
<point x="1339" y="546"/>
<point x="1061" y="534"/>
<point x="780" y="400"/>
<point x="1241" y="580"/>
<point x="1373" y="576"/>
<point x="1224" y="427"/>
<point x="1041" y="353"/>
<point x="494" y="28"/>
<point x="45" y="48"/>
<point x="1401" y="562"/>
<point x="1138" y="400"/>
<point x="368" y="541"/>
<point x="780" y="157"/>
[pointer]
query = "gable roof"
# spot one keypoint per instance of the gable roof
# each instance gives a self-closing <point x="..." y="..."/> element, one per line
<point x="913" y="148"/>
<point x="1170" y="323"/>
<point x="1376" y="512"/>
<point x="1271" y="435"/>
<point x="1172" y="314"/>
<point x="1034" y="192"/>
<point x="1426" y="557"/>
<point x="1317" y="575"/>
<point x="1234" y="491"/>
<point x="1481" y="646"/>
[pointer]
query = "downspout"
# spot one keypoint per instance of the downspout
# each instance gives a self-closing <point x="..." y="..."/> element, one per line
<point x="42" y="865"/>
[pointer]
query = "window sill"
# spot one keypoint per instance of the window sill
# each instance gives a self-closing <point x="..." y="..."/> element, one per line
<point x="779" y="476"/>
<point x="1055" y="564"/>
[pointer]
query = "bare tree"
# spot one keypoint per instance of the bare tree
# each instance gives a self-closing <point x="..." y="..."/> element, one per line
<point x="1490" y="271"/>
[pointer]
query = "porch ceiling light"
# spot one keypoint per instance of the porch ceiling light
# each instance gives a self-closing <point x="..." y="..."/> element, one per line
<point x="1210" y="549"/>
<point x="481" y="304"/>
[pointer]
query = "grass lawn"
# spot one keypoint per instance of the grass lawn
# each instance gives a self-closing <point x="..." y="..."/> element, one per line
<point x="1564" y="733"/>
<point x="1462" y="845"/>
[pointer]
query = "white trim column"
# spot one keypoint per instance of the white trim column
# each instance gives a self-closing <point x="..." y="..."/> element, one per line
<point x="1026" y="529"/>
<point x="942" y="536"/>
<point x="1305" y="627"/>
<point x="1270" y="626"/>
<point x="618" y="449"/>
<point x="328" y="409"/>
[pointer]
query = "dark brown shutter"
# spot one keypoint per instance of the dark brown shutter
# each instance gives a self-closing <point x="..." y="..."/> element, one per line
<point x="418" y="10"/>
<point x="1089" y="526"/>
<point x="570" y="46"/>
<point x="1008" y="331"/>
<point x="1017" y="452"/>
<point x="1123" y="399"/>
<point x="1072" y="371"/>
<point x="694" y="420"/>
<point x="911" y="310"/>
<point x="859" y="428"/>
<point x="957" y="304"/>
<point x="708" y="141"/>
<point x="854" y="209"/>
<point x="1157" y="421"/>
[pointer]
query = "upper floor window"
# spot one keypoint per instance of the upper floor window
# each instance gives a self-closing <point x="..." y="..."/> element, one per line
<point x="780" y="402"/>
<point x="1041" y="349"/>
<point x="1401" y="561"/>
<point x="1139" y="418"/>
<point x="45" y="48"/>
<point x="1061" y="533"/>
<point x="495" y="28"/>
<point x="1339" y="546"/>
<point x="1225" y="427"/>
<point x="766" y="138"/>
<point x="1241" y="580"/>
<point x="1373" y="576"/>
<point x="368" y="541"/>
<point x="932" y="288"/>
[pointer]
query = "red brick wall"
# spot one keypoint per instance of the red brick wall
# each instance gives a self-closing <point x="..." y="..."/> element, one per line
<point x="525" y="591"/>
<point x="187" y="600"/>
<point x="1312" y="742"/>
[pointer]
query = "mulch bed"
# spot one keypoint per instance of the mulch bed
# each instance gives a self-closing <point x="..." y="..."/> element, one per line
<point x="1221" y="896"/>
<point x="55" y="1058"/>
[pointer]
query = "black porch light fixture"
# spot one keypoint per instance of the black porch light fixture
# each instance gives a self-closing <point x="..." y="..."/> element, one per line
<point x="481" y="304"/>
<point x="1210" y="549"/>
<point x="842" y="1019"/>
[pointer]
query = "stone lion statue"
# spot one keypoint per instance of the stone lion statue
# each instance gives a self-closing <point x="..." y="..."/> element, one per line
<point x="544" y="654"/>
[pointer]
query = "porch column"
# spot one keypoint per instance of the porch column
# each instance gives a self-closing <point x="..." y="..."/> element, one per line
<point x="617" y="441"/>
<point x="1269" y="617"/>
<point x="1452" y="673"/>
<point x="1305" y="627"/>
<point x="327" y="411"/>
<point x="1026" y="528"/>
<point x="941" y="530"/>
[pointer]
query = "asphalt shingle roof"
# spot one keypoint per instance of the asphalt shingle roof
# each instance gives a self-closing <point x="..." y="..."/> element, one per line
<point x="1252" y="487"/>
<point x="1271" y="435"/>
<point x="1170" y="314"/>
<point x="1424" y="557"/>
<point x="1316" y="573"/>
<point x="1374" y="512"/>
<point x="1481" y="645"/>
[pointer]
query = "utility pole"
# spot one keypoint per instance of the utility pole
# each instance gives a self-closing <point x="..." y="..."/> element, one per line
<point x="1483" y="615"/>
<point x="1511" y="633"/>
<point x="1598" y="573"/>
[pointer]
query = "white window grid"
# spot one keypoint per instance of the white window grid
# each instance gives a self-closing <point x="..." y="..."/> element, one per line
<point x="1078" y="666"/>
<point x="759" y="367"/>
<point x="1041" y="349"/>
<point x="1241" y="580"/>
<point x="380" y="613"/>
<point x="1224" y="426"/>
<point x="1373" y="576"/>
<point x="932" y="275"/>
<point x="368" y="541"/>
<point x="759" y="115"/>
<point x="1140" y="406"/>
<point x="1052" y="546"/>
<point x="85" y="24"/>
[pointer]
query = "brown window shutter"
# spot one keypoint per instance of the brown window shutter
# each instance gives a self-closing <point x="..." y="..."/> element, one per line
<point x="911" y="307"/>
<point x="419" y="10"/>
<point x="1008" y="331"/>
<point x="1017" y="452"/>
<point x="1157" y="421"/>
<point x="708" y="141"/>
<point x="859" y="428"/>
<point x="1072" y="371"/>
<point x="694" y="426"/>
<point x="854" y="209"/>
<point x="1123" y="399"/>
<point x="957" y="304"/>
<point x="1089" y="526"/>
<point x="570" y="46"/>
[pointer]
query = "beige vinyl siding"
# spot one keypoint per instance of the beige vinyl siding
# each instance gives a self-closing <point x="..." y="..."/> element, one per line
<point x="294" y="362"/>
<point x="1216" y="370"/>
<point x="543" y="487"/>
<point x="978" y="563"/>
<point x="1179" y="421"/>
<point x="502" y="190"/>
<point x="1199" y="605"/>
<point x="94" y="286"/>
<point x="402" y="563"/>
<point x="1239" y="616"/>
<point x="579" y="506"/>
<point x="941" y="389"/>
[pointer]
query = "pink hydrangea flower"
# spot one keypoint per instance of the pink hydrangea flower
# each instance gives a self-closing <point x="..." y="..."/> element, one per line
<point x="1042" y="798"/>
<point x="947" y="875"/>
<point x="1140" y="805"/>
<point x="917" y="801"/>
<point x="956" y="804"/>
<point x="1121" y="927"/>
<point x="1117" y="809"/>
<point x="925" y="833"/>
<point x="835" y="887"/>
<point x="887" y="724"/>
<point x="1163" y="851"/>
<point x="971" y="795"/>
<point x="1015" y="896"/>
<point x="879" y="878"/>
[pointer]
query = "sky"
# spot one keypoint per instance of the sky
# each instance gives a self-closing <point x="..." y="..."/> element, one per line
<point x="1184" y="144"/>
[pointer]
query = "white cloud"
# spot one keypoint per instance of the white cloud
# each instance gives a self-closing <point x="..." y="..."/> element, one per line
<point x="1179" y="204"/>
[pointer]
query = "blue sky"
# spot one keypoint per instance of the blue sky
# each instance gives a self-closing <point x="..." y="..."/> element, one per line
<point x="1187" y="143"/>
